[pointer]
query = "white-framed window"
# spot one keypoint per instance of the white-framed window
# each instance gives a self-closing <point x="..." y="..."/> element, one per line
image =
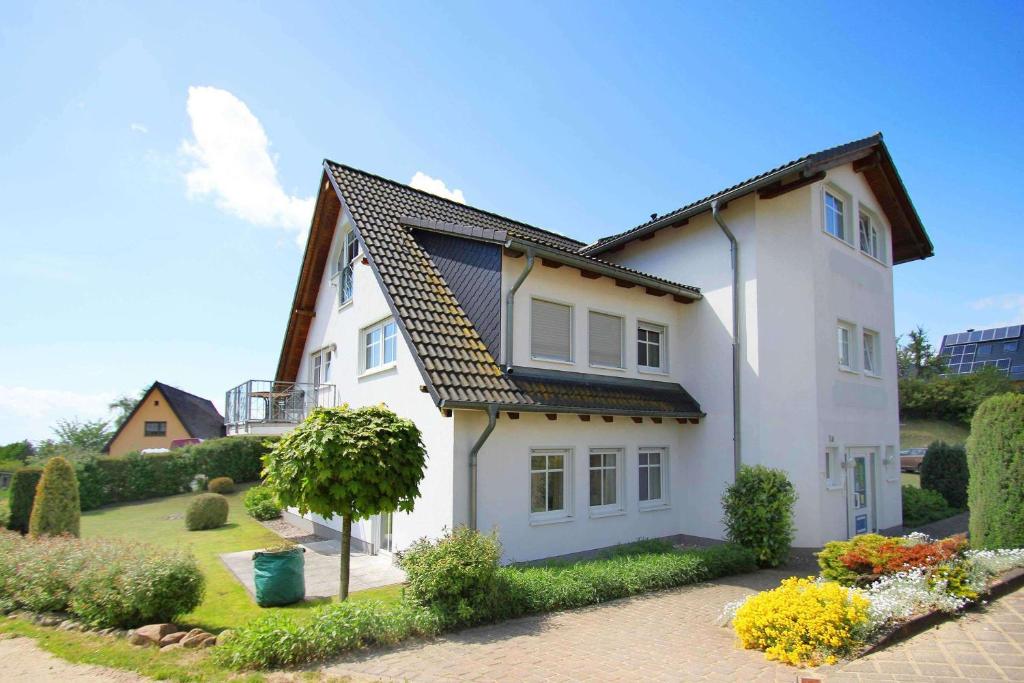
<point x="605" y="480"/>
<point x="606" y="342"/>
<point x="551" y="330"/>
<point x="869" y="341"/>
<point x="550" y="483"/>
<point x="320" y="366"/>
<point x="833" y="468"/>
<point x="380" y="345"/>
<point x="870" y="234"/>
<point x="651" y="349"/>
<point x="652" y="476"/>
<point x="844" y="338"/>
<point x="837" y="213"/>
<point x="344" y="266"/>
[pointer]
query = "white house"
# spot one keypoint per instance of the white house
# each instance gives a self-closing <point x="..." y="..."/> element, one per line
<point x="578" y="396"/>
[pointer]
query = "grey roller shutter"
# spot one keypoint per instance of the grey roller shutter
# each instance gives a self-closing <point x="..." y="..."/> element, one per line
<point x="551" y="330"/>
<point x="605" y="340"/>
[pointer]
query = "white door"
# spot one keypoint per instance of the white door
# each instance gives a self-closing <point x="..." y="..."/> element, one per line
<point x="385" y="532"/>
<point x="860" y="490"/>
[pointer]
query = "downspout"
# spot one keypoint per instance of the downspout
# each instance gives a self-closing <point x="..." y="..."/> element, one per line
<point x="492" y="418"/>
<point x="510" y="299"/>
<point x="734" y="250"/>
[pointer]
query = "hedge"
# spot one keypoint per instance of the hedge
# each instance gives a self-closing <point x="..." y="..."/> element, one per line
<point x="23" y="494"/>
<point x="995" y="456"/>
<point x="137" y="476"/>
<point x="944" y="469"/>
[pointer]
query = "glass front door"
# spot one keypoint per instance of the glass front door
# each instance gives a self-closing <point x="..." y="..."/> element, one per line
<point x="385" y="532"/>
<point x="860" y="491"/>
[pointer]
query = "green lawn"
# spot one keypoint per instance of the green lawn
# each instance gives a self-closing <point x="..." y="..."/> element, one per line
<point x="921" y="433"/>
<point x="910" y="479"/>
<point x="226" y="604"/>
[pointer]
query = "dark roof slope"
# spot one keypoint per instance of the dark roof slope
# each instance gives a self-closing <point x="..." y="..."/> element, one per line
<point x="197" y="414"/>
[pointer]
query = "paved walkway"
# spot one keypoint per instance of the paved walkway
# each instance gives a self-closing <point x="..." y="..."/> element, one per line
<point x="672" y="636"/>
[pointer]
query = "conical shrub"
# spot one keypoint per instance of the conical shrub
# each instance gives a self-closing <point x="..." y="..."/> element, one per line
<point x="23" y="495"/>
<point x="57" y="509"/>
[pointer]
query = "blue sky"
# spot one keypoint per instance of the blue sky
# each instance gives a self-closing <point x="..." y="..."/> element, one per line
<point x="140" y="245"/>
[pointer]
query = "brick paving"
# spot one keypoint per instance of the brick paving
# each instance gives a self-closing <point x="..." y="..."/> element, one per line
<point x="672" y="636"/>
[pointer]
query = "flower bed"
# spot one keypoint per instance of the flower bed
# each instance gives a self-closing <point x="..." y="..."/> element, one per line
<point x="870" y="587"/>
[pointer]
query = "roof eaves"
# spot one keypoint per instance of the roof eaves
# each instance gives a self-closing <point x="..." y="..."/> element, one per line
<point x="456" y="230"/>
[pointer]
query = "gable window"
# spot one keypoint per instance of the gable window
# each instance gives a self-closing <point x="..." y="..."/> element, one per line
<point x="650" y="347"/>
<point x="605" y="480"/>
<point x="345" y="267"/>
<point x="870" y="342"/>
<point x="835" y="217"/>
<point x="844" y="336"/>
<point x="606" y="340"/>
<point x="870" y="242"/>
<point x="549" y="483"/>
<point x="550" y="331"/>
<point x="156" y="429"/>
<point x="380" y="345"/>
<point x="653" y="477"/>
<point x="320" y="366"/>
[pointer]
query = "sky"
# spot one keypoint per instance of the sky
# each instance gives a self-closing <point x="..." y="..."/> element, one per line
<point x="159" y="159"/>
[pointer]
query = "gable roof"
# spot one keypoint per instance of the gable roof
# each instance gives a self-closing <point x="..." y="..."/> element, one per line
<point x="869" y="156"/>
<point x="198" y="415"/>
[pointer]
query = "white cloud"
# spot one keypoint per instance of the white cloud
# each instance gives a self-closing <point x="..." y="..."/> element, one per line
<point x="30" y="413"/>
<point x="139" y="128"/>
<point x="421" y="181"/>
<point x="1003" y="305"/>
<point x="233" y="165"/>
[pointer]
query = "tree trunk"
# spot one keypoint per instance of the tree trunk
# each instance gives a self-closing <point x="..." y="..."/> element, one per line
<point x="346" y="546"/>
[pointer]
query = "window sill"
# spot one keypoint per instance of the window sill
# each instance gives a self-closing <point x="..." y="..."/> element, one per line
<point x="598" y="513"/>
<point x="347" y="304"/>
<point x="838" y="239"/>
<point x="848" y="370"/>
<point x="643" y="370"/>
<point x="378" y="370"/>
<point x="552" y="360"/>
<point x="834" y="487"/>
<point x="872" y="375"/>
<point x="654" y="507"/>
<point x="608" y="367"/>
<point x="545" y="521"/>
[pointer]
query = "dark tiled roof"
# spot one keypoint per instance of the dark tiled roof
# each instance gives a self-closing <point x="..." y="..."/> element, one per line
<point x="585" y="393"/>
<point x="198" y="414"/>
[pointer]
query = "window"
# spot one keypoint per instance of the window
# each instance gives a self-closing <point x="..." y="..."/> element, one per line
<point x="844" y="334"/>
<point x="870" y="243"/>
<point x="549" y="479"/>
<point x="156" y="429"/>
<point x="653" y="479"/>
<point x="833" y="469"/>
<point x="835" y="219"/>
<point x="551" y="331"/>
<point x="380" y="345"/>
<point x="320" y="366"/>
<point x="605" y="479"/>
<point x="606" y="340"/>
<point x="345" y="265"/>
<point x="871" y="361"/>
<point x="984" y="350"/>
<point x="650" y="347"/>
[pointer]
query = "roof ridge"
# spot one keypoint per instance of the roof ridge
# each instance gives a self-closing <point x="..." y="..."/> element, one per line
<point x="392" y="181"/>
<point x="163" y="385"/>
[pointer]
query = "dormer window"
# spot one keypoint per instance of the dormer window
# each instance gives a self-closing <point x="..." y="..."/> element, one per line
<point x="345" y="266"/>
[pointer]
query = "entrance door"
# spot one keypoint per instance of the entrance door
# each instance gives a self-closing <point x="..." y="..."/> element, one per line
<point x="385" y="532"/>
<point x="860" y="486"/>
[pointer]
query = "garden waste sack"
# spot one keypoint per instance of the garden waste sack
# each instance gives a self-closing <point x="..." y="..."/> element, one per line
<point x="280" y="576"/>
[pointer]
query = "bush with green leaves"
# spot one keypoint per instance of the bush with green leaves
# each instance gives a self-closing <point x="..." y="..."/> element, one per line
<point x="221" y="485"/>
<point x="56" y="509"/>
<point x="261" y="503"/>
<point x="953" y="398"/>
<point x="923" y="506"/>
<point x="105" y="583"/>
<point x="237" y="457"/>
<point x="995" y="458"/>
<point x="206" y="511"/>
<point x="22" y="496"/>
<point x="759" y="513"/>
<point x="944" y="469"/>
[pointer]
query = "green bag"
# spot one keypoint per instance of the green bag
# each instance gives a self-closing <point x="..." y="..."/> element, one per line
<point x="280" y="577"/>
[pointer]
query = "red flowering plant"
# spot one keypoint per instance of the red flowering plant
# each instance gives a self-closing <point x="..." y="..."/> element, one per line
<point x="896" y="555"/>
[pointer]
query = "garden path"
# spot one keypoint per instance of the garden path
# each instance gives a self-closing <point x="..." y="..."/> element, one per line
<point x="24" y="661"/>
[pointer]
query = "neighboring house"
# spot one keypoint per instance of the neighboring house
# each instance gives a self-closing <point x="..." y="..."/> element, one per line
<point x="163" y="416"/>
<point x="577" y="396"/>
<point x="999" y="347"/>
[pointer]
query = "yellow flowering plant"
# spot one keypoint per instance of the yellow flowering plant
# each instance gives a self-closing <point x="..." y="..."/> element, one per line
<point x="803" y="621"/>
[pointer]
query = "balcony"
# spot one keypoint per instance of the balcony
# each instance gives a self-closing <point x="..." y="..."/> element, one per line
<point x="261" y="406"/>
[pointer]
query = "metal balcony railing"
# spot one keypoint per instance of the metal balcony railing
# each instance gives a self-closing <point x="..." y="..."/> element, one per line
<point x="269" y="402"/>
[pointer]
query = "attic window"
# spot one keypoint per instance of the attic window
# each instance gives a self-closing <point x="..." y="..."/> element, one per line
<point x="156" y="403"/>
<point x="344" y="266"/>
<point x="156" y="429"/>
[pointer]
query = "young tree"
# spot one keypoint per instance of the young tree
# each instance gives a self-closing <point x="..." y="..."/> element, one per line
<point x="123" y="405"/>
<point x="353" y="463"/>
<point x="83" y="435"/>
<point x="916" y="358"/>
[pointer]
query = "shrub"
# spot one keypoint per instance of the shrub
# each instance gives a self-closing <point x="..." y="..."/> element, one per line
<point x="237" y="457"/>
<point x="221" y="485"/>
<point x="953" y="398"/>
<point x="104" y="583"/>
<point x="995" y="452"/>
<point x="830" y="559"/>
<point x="944" y="469"/>
<point x="206" y="511"/>
<point x="5" y="516"/>
<point x="23" y="494"/>
<point x="922" y="506"/>
<point x="56" y="509"/>
<point x="261" y="503"/>
<point x="454" y="575"/>
<point x="11" y="466"/>
<point x="802" y="622"/>
<point x="759" y="513"/>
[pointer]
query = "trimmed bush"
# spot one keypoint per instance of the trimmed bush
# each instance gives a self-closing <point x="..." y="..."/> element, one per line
<point x="759" y="513"/>
<point x="995" y="458"/>
<point x="105" y="583"/>
<point x="261" y="503"/>
<point x="238" y="457"/>
<point x="221" y="485"/>
<point x="921" y="506"/>
<point x="23" y="494"/>
<point x="944" y="469"/>
<point x="206" y="511"/>
<point x="56" y="509"/>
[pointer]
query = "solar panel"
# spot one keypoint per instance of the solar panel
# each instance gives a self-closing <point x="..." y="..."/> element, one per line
<point x="988" y="335"/>
<point x="1013" y="332"/>
<point x="976" y="336"/>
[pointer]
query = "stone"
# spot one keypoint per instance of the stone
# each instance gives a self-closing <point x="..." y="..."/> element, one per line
<point x="172" y="638"/>
<point x="152" y="633"/>
<point x="225" y="635"/>
<point x="209" y="642"/>
<point x="171" y="646"/>
<point x="48" y="620"/>
<point x="68" y="625"/>
<point x="194" y="638"/>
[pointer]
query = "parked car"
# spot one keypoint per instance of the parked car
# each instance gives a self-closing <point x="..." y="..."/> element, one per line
<point x="910" y="459"/>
